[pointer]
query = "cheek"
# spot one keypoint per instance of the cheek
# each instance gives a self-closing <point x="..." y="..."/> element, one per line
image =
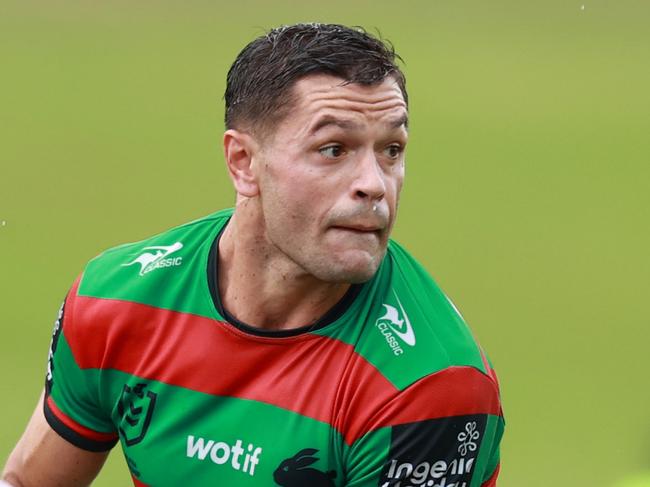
<point x="292" y="196"/>
<point x="396" y="182"/>
<point x="399" y="189"/>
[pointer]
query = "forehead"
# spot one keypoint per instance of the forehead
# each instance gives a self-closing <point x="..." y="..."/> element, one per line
<point x="320" y="95"/>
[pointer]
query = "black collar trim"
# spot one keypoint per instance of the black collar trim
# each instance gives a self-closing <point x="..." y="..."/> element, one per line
<point x="328" y="318"/>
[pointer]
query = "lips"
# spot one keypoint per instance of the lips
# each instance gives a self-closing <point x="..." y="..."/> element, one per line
<point x="361" y="222"/>
<point x="359" y="228"/>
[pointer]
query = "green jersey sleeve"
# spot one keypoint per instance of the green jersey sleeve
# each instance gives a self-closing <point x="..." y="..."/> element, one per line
<point x="71" y="404"/>
<point x="494" y="460"/>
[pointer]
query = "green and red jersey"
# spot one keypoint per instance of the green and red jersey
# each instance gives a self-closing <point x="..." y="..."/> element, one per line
<point x="388" y="389"/>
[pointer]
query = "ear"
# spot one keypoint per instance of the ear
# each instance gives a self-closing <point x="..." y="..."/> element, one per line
<point x="305" y="452"/>
<point x="239" y="149"/>
<point x="304" y="461"/>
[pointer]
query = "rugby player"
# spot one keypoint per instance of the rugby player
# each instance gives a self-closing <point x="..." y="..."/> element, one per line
<point x="287" y="341"/>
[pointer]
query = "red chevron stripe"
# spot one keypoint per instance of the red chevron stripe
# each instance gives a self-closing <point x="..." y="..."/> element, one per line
<point x="455" y="391"/>
<point x="301" y="374"/>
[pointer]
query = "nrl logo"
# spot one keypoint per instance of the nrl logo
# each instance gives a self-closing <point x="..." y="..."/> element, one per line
<point x="159" y="257"/>
<point x="135" y="409"/>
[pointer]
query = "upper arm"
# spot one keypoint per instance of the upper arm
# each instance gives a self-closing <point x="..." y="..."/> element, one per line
<point x="70" y="434"/>
<point x="72" y="402"/>
<point x="494" y="458"/>
<point x="443" y="430"/>
<point x="43" y="458"/>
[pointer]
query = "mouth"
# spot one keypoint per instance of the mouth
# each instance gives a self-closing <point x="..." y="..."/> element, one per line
<point x="360" y="229"/>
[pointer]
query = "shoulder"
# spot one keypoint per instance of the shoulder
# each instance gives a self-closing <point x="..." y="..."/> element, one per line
<point x="140" y="284"/>
<point x="412" y="329"/>
<point x="147" y="270"/>
<point x="415" y="357"/>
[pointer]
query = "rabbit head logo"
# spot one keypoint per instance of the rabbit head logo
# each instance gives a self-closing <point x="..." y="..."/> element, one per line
<point x="294" y="471"/>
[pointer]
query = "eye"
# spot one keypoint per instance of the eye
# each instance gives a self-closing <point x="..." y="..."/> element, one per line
<point x="394" y="151"/>
<point x="331" y="151"/>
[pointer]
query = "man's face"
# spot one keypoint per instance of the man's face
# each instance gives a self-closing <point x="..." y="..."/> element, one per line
<point x="330" y="177"/>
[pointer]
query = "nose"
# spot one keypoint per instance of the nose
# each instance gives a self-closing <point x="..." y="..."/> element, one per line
<point x="370" y="183"/>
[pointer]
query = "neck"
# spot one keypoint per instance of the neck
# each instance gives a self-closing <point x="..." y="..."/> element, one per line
<point x="261" y="286"/>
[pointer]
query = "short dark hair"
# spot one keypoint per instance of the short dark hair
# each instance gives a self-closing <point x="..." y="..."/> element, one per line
<point x="259" y="82"/>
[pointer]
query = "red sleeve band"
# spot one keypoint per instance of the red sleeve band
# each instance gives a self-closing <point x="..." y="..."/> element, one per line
<point x="75" y="433"/>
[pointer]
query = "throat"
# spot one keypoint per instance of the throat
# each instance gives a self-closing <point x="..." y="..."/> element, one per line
<point x="262" y="299"/>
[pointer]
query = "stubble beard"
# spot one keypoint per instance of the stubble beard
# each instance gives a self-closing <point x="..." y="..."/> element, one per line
<point x="335" y="267"/>
<point x="340" y="273"/>
<point x="316" y="256"/>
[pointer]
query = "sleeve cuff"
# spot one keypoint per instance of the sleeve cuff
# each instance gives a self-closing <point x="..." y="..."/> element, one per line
<point x="79" y="435"/>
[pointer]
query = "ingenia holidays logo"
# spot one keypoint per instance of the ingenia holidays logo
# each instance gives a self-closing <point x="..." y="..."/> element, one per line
<point x="434" y="453"/>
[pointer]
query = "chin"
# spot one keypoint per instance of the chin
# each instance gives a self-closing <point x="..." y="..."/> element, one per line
<point x="350" y="271"/>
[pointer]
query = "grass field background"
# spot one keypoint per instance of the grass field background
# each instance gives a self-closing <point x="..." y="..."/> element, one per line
<point x="527" y="193"/>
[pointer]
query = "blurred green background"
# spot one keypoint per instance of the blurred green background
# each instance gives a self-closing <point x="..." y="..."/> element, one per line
<point x="527" y="192"/>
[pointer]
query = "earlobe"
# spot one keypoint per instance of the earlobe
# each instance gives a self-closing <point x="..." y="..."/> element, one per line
<point x="239" y="149"/>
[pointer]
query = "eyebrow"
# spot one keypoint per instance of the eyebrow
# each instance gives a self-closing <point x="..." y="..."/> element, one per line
<point x="347" y="124"/>
<point x="328" y="120"/>
<point x="398" y="122"/>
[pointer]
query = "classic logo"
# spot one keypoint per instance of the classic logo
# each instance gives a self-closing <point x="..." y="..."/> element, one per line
<point x="434" y="453"/>
<point x="293" y="472"/>
<point x="135" y="409"/>
<point x="222" y="453"/>
<point x="150" y="261"/>
<point x="395" y="324"/>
